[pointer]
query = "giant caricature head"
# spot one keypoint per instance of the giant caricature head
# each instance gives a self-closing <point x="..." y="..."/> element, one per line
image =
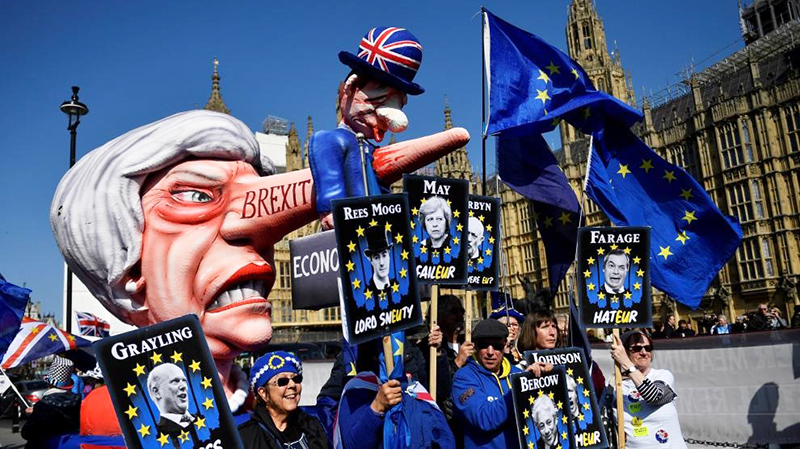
<point x="374" y="93"/>
<point x="152" y="223"/>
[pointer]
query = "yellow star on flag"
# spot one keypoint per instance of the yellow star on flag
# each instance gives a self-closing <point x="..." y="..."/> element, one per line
<point x="543" y="76"/>
<point x="563" y="435"/>
<point x="569" y="372"/>
<point x="637" y="286"/>
<point x="480" y="260"/>
<point x="480" y="218"/>
<point x="403" y="273"/>
<point x="399" y="350"/>
<point x="488" y="251"/>
<point x="590" y="260"/>
<point x="138" y="369"/>
<point x="579" y="380"/>
<point x="471" y="213"/>
<point x="601" y="295"/>
<point x="615" y="299"/>
<point x="664" y="252"/>
<point x="132" y="412"/>
<point x="640" y="273"/>
<point x="415" y="211"/>
<point x="669" y="175"/>
<point x="689" y="216"/>
<point x="351" y="247"/>
<point x="587" y="113"/>
<point x="398" y="238"/>
<point x="542" y="95"/>
<point x="413" y="225"/>
<point x="360" y="231"/>
<point x="423" y="249"/>
<point x="396" y="288"/>
<point x="357" y="283"/>
<point x="491" y="240"/>
<point x="586" y="392"/>
<point x="591" y="287"/>
<point x="382" y="296"/>
<point x="530" y="399"/>
<point x="456" y="213"/>
<point x="586" y="406"/>
<point x="564" y="218"/>
<point x="163" y="439"/>
<point x="601" y="251"/>
<point x="626" y="250"/>
<point x="176" y="357"/>
<point x="489" y="228"/>
<point x="350" y="266"/>
<point x="564" y="419"/>
<point x="647" y="164"/>
<point x="530" y="444"/>
<point x="459" y="227"/>
<point x="195" y="366"/>
<point x="682" y="237"/>
<point x="560" y="405"/>
<point x="208" y="403"/>
<point x="552" y="68"/>
<point x="373" y="223"/>
<point x="70" y="338"/>
<point x="130" y="389"/>
<point x="548" y="221"/>
<point x="637" y="260"/>
<point x="387" y="227"/>
<point x="614" y="247"/>
<point x="52" y="337"/>
<point x="206" y="382"/>
<point x="200" y="422"/>
<point x="575" y="72"/>
<point x="587" y="274"/>
<point x="368" y="294"/>
<point x="525" y="429"/>
<point x="449" y="202"/>
<point x="456" y="240"/>
<point x="144" y="430"/>
<point x="623" y="170"/>
<point x="526" y="413"/>
<point x="184" y="436"/>
<point x="447" y="250"/>
<point x="415" y="239"/>
<point x="36" y="330"/>
<point x="686" y="194"/>
<point x="627" y="295"/>
<point x="540" y="393"/>
<point x="580" y="417"/>
<point x="550" y="395"/>
<point x="404" y="255"/>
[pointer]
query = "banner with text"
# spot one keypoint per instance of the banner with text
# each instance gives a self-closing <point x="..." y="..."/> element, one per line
<point x="542" y="419"/>
<point x="315" y="268"/>
<point x="483" y="240"/>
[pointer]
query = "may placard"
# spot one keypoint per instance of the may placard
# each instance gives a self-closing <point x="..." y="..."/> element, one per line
<point x="438" y="228"/>
<point x="376" y="266"/>
<point x="614" y="277"/>
<point x="165" y="387"/>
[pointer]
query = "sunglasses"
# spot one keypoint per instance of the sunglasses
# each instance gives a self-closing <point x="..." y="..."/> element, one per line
<point x="284" y="381"/>
<point x="638" y="348"/>
<point x="498" y="345"/>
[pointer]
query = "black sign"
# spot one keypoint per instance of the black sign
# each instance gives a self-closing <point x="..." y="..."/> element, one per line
<point x="483" y="242"/>
<point x="614" y="277"/>
<point x="541" y="410"/>
<point x="587" y="424"/>
<point x="315" y="269"/>
<point x="165" y="387"/>
<point x="438" y="228"/>
<point x="376" y="266"/>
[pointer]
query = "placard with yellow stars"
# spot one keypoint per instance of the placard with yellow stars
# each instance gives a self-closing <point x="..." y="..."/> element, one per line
<point x="438" y="227"/>
<point x="376" y="266"/>
<point x="587" y="424"/>
<point x="483" y="242"/>
<point x="614" y="277"/>
<point x="541" y="409"/>
<point x="165" y="387"/>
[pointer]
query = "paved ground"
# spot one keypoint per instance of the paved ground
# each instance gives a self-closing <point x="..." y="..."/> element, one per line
<point x="8" y="439"/>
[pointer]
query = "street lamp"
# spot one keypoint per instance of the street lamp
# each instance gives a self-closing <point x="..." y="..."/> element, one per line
<point x="74" y="109"/>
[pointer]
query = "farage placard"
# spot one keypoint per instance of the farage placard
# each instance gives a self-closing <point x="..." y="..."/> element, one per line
<point x="614" y="277"/>
<point x="165" y="387"/>
<point x="376" y="265"/>
<point x="438" y="228"/>
<point x="315" y="269"/>
<point x="543" y="421"/>
<point x="483" y="241"/>
<point x="587" y="425"/>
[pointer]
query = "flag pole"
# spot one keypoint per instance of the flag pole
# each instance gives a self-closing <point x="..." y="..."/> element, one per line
<point x="434" y="319"/>
<point x="15" y="389"/>
<point x="483" y="99"/>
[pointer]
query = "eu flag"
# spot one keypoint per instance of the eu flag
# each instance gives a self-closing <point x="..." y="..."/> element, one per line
<point x="13" y="301"/>
<point x="690" y="238"/>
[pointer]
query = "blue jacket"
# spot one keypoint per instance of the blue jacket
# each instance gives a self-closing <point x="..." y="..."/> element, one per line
<point x="483" y="400"/>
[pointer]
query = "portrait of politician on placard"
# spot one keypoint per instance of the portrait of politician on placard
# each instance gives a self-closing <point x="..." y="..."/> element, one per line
<point x="543" y="420"/>
<point x="483" y="241"/>
<point x="438" y="228"/>
<point x="614" y="276"/>
<point x="165" y="387"/>
<point x="376" y="266"/>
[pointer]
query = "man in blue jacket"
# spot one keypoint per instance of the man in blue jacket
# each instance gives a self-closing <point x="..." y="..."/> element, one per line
<point x="482" y="390"/>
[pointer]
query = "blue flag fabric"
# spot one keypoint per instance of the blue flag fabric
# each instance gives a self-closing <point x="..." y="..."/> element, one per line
<point x="690" y="238"/>
<point x="13" y="300"/>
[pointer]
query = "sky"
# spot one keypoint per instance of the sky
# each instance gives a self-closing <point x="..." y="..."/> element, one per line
<point x="137" y="62"/>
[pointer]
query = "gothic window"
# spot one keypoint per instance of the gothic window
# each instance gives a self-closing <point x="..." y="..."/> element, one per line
<point x="748" y="146"/>
<point x="767" y="254"/>
<point x="331" y="314"/>
<point x="525" y="217"/>
<point x="740" y="201"/>
<point x="793" y="127"/>
<point x="528" y="256"/>
<point x="757" y="202"/>
<point x="285" y="311"/>
<point x="284" y="275"/>
<point x="685" y="157"/>
<point x="731" y="145"/>
<point x="750" y="260"/>
<point x="576" y="39"/>
<point x="587" y="37"/>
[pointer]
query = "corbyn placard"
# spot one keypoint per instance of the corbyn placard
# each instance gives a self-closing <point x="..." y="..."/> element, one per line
<point x="438" y="228"/>
<point x="483" y="242"/>
<point x="376" y="266"/>
<point x="165" y="387"/>
<point x="614" y="277"/>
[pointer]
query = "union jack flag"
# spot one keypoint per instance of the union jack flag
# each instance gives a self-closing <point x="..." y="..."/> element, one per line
<point x="35" y="340"/>
<point x="91" y="325"/>
<point x="391" y="45"/>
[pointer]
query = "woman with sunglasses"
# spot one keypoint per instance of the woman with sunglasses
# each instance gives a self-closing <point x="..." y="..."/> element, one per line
<point x="651" y="419"/>
<point x="277" y="422"/>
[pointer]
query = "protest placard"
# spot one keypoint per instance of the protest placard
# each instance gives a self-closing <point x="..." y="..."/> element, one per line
<point x="587" y="424"/>
<point x="165" y="387"/>
<point x="315" y="269"/>
<point x="438" y="228"/>
<point x="483" y="242"/>
<point x="543" y="420"/>
<point x="614" y="277"/>
<point x="376" y="266"/>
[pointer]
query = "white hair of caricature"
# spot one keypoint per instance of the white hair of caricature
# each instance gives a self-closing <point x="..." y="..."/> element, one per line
<point x="159" y="375"/>
<point x="96" y="213"/>
<point x="543" y="405"/>
<point x="475" y="225"/>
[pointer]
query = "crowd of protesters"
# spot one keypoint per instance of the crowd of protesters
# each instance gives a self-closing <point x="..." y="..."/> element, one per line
<point x="764" y="318"/>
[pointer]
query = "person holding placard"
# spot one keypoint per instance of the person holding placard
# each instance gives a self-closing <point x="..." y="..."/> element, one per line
<point x="651" y="418"/>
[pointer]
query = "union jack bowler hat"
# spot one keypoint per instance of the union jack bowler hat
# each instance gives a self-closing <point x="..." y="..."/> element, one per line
<point x="390" y="55"/>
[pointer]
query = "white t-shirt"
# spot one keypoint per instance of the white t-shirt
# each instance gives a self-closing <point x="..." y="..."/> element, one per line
<point x="649" y="426"/>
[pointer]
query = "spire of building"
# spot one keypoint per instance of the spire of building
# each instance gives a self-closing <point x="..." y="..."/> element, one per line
<point x="456" y="164"/>
<point x="448" y="122"/>
<point x="309" y="133"/>
<point x="215" y="101"/>
<point x="294" y="152"/>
